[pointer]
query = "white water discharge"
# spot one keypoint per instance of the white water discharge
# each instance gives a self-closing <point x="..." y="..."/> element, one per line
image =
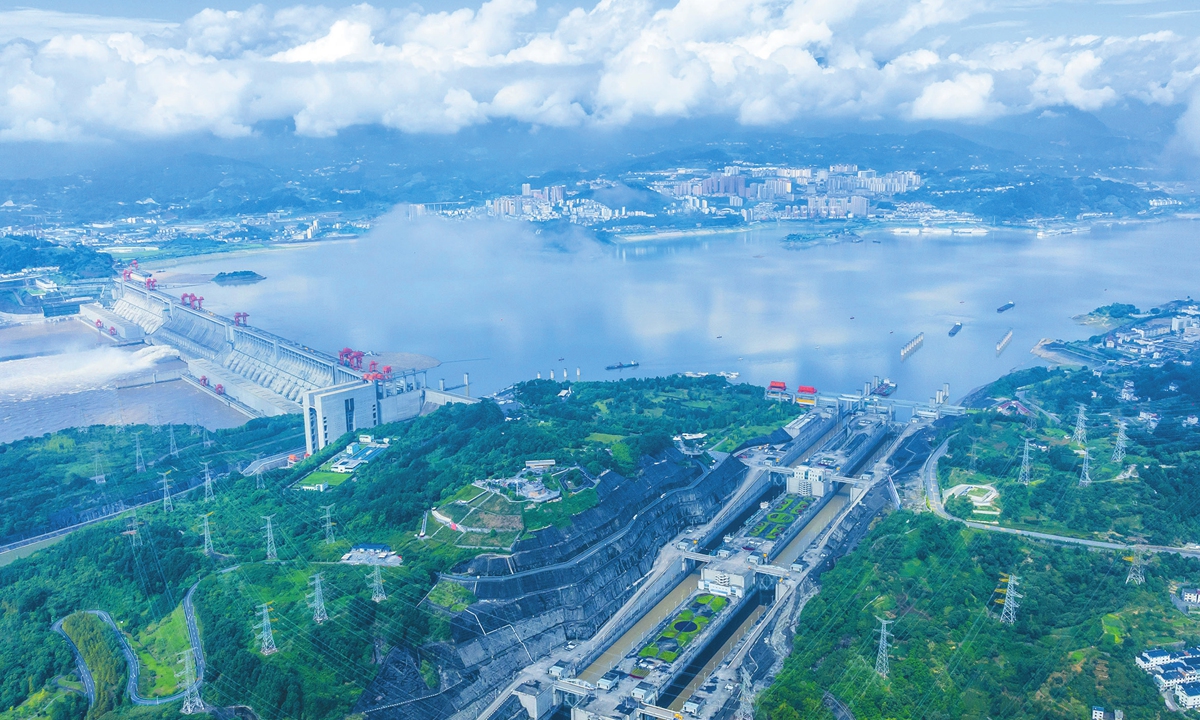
<point x="39" y="377"/>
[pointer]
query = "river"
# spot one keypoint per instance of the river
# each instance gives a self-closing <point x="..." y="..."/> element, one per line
<point x="503" y="303"/>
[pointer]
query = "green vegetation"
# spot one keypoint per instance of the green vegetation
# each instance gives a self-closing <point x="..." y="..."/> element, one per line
<point x="328" y="477"/>
<point x="319" y="670"/>
<point x="683" y="628"/>
<point x="46" y="481"/>
<point x="51" y="703"/>
<point x="559" y="512"/>
<point x="1149" y="496"/>
<point x="158" y="646"/>
<point x="19" y="252"/>
<point x="1077" y="631"/>
<point x="452" y="596"/>
<point x="102" y="652"/>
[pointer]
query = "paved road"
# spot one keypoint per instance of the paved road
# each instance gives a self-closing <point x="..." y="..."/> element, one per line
<point x="131" y="659"/>
<point x="933" y="498"/>
<point x="85" y="675"/>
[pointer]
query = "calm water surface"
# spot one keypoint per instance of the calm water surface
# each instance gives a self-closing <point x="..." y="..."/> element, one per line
<point x="503" y="303"/>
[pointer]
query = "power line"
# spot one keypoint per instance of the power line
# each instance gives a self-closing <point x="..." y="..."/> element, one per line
<point x="168" y="506"/>
<point x="318" y="600"/>
<point x="1119" y="449"/>
<point x="134" y="535"/>
<point x="191" y="691"/>
<point x="271" y="553"/>
<point x="1024" y="480"/>
<point x="139" y="463"/>
<point x="376" y="578"/>
<point x="881" y="654"/>
<point x="328" y="525"/>
<point x="265" y="636"/>
<point x="208" y="489"/>
<point x="1008" y="614"/>
<point x="208" y="546"/>
<point x="1136" y="574"/>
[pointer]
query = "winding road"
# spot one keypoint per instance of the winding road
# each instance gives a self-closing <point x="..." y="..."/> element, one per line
<point x="933" y="498"/>
<point x="131" y="659"/>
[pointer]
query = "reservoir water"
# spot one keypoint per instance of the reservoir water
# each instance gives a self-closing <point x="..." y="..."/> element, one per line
<point x="503" y="303"/>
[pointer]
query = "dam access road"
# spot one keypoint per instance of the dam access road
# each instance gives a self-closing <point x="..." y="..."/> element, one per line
<point x="713" y="617"/>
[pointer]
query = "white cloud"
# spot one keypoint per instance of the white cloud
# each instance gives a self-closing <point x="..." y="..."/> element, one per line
<point x="69" y="76"/>
<point x="966" y="96"/>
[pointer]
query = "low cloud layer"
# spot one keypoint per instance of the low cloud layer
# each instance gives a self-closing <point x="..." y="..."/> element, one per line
<point x="763" y="62"/>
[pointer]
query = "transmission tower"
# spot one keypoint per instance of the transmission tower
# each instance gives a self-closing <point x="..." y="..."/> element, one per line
<point x="1085" y="475"/>
<point x="1008" y="614"/>
<point x="1136" y="574"/>
<point x="258" y="481"/>
<point x="1080" y="435"/>
<point x="174" y="447"/>
<point x="271" y="554"/>
<point x="1119" y="449"/>
<point x="265" y="637"/>
<point x="98" y="468"/>
<point x="1024" y="479"/>
<point x="168" y="506"/>
<point x="318" y="600"/>
<point x="208" y="548"/>
<point x="206" y="442"/>
<point x="881" y="655"/>
<point x="328" y="525"/>
<point x="376" y="578"/>
<point x="208" y="491"/>
<point x="191" y="691"/>
<point x="140" y="464"/>
<point x="134" y="534"/>
<point x="973" y="456"/>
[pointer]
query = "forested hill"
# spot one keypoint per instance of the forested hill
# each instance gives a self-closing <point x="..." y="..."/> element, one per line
<point x="320" y="669"/>
<point x="18" y="252"/>
<point x="1077" y="630"/>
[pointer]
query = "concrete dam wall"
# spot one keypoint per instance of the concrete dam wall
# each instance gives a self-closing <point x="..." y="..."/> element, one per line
<point x="585" y="575"/>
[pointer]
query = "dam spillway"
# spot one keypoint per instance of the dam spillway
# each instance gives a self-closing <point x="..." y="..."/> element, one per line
<point x="262" y="374"/>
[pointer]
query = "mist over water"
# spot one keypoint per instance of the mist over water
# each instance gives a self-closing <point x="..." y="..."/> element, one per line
<point x="501" y="301"/>
<point x="40" y="377"/>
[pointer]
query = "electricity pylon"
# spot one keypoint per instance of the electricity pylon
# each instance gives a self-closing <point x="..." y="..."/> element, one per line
<point x="207" y="442"/>
<point x="139" y="462"/>
<point x="191" y="691"/>
<point x="1119" y="449"/>
<point x="318" y="600"/>
<point x="208" y="491"/>
<point x="208" y="548"/>
<point x="174" y="447"/>
<point x="1085" y="475"/>
<point x="134" y="534"/>
<point x="376" y="578"/>
<point x="168" y="505"/>
<point x="271" y="554"/>
<point x="974" y="456"/>
<point x="1080" y="435"/>
<point x="265" y="637"/>
<point x="328" y="525"/>
<point x="1136" y="574"/>
<point x="258" y="481"/>
<point x="1024" y="479"/>
<point x="881" y="655"/>
<point x="1008" y="614"/>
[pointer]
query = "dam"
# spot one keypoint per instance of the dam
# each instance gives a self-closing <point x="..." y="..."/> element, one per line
<point x="260" y="374"/>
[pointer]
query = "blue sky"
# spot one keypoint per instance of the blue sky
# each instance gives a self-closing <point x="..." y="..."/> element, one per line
<point x="152" y="69"/>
